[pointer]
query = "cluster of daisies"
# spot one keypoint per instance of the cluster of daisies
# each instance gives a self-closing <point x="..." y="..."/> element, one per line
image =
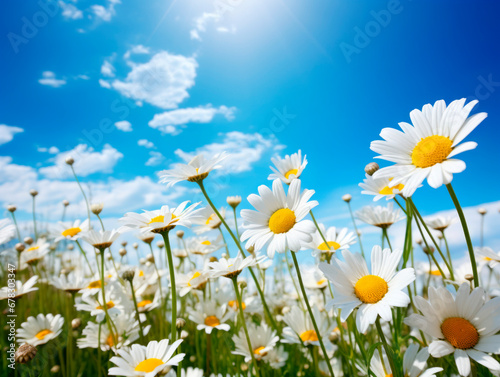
<point x="271" y="292"/>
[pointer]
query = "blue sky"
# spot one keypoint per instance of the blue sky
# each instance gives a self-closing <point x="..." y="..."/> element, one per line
<point x="257" y="78"/>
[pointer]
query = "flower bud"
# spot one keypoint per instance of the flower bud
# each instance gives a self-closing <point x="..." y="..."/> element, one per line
<point x="96" y="208"/>
<point x="122" y="252"/>
<point x="469" y="277"/>
<point x="347" y="198"/>
<point x="71" y="247"/>
<point x="233" y="201"/>
<point x="25" y="353"/>
<point x="20" y="247"/>
<point x="65" y="203"/>
<point x="150" y="258"/>
<point x="135" y="245"/>
<point x="55" y="369"/>
<point x="482" y="211"/>
<point x="371" y="168"/>
<point x="213" y="259"/>
<point x="242" y="284"/>
<point x="128" y="275"/>
<point x="33" y="193"/>
<point x="428" y="250"/>
<point x="192" y="358"/>
<point x="70" y="160"/>
<point x="124" y="243"/>
<point x="76" y="323"/>
<point x="180" y="233"/>
<point x="28" y="240"/>
<point x="160" y="244"/>
<point x="142" y="261"/>
<point x="11" y="208"/>
<point x="180" y="323"/>
<point x="184" y="334"/>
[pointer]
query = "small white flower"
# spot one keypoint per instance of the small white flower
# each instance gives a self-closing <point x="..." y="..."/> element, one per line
<point x="335" y="240"/>
<point x="288" y="168"/>
<point x="40" y="330"/>
<point x="232" y="267"/>
<point x="208" y="316"/>
<point x="382" y="217"/>
<point x="380" y="188"/>
<point x="300" y="328"/>
<point x="100" y="239"/>
<point x="21" y="288"/>
<point x="7" y="231"/>
<point x="70" y="231"/>
<point x="262" y="338"/>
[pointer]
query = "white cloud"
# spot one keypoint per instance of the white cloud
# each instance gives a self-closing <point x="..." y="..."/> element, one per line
<point x="145" y="143"/>
<point x="7" y="133"/>
<point x="49" y="78"/>
<point x="124" y="125"/>
<point x="107" y="69"/>
<point x="51" y="150"/>
<point x="104" y="84"/>
<point x="69" y="11"/>
<point x="138" y="49"/>
<point x="170" y="122"/>
<point x="245" y="150"/>
<point x="83" y="77"/>
<point x="202" y="22"/>
<point x="87" y="161"/>
<point x="156" y="158"/>
<point x="12" y="172"/>
<point x="223" y="29"/>
<point x="105" y="13"/>
<point x="162" y="82"/>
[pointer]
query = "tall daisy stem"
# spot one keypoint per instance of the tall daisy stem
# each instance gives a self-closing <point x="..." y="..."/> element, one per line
<point x="236" y="241"/>
<point x="17" y="227"/>
<point x="466" y="233"/>
<point x="85" y="256"/>
<point x="388" y="351"/>
<point x="356" y="229"/>
<point x="242" y="319"/>
<point x="105" y="303"/>
<point x="137" y="311"/>
<point x="83" y="192"/>
<point x="313" y="320"/>
<point x="173" y="288"/>
<point x="34" y="219"/>
<point x="225" y="243"/>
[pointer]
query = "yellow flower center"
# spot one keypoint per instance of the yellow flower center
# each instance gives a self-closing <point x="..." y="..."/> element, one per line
<point x="234" y="304"/>
<point x="435" y="273"/>
<point x="94" y="284"/>
<point x="290" y="172"/>
<point x="327" y="247"/>
<point x="71" y="232"/>
<point x="321" y="282"/>
<point x="210" y="218"/>
<point x="206" y="243"/>
<point x="390" y="190"/>
<point x="143" y="303"/>
<point x="282" y="221"/>
<point x="460" y="333"/>
<point x="309" y="336"/>
<point x="371" y="289"/>
<point x="141" y="273"/>
<point x="195" y="275"/>
<point x="109" y="305"/>
<point x="148" y="365"/>
<point x="157" y="219"/>
<point x="42" y="334"/>
<point x="258" y="350"/>
<point x="212" y="321"/>
<point x="388" y="375"/>
<point x="487" y="259"/>
<point x="431" y="151"/>
<point x="33" y="248"/>
<point x="109" y="341"/>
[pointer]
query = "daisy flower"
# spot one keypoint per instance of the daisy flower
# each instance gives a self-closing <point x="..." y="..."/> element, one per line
<point x="373" y="294"/>
<point x="71" y="283"/>
<point x="70" y="231"/>
<point x="208" y="316"/>
<point x="7" y="231"/>
<point x="440" y="222"/>
<point x="195" y="171"/>
<point x="288" y="168"/>
<point x="278" y="221"/>
<point x="20" y="290"/>
<point x="300" y="328"/>
<point x="95" y="305"/>
<point x="203" y="245"/>
<point x="34" y="253"/>
<point x="380" y="188"/>
<point x="232" y="267"/>
<point x="382" y="217"/>
<point x="277" y="357"/>
<point x="40" y="330"/>
<point x="193" y="280"/>
<point x="146" y="361"/>
<point x="335" y="240"/>
<point x="189" y="372"/>
<point x="159" y="221"/>
<point x="100" y="239"/>
<point x="487" y="255"/>
<point x="262" y="338"/>
<point x="208" y="220"/>
<point x="426" y="149"/>
<point x="464" y="325"/>
<point x="314" y="279"/>
<point x="415" y="361"/>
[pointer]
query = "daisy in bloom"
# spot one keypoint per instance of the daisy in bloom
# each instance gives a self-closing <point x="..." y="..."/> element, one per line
<point x="487" y="255"/>
<point x="40" y="330"/>
<point x="278" y="221"/>
<point x="440" y="222"/>
<point x="262" y="338"/>
<point x="314" y="279"/>
<point x="195" y="171"/>
<point x="192" y="280"/>
<point x="335" y="240"/>
<point x="203" y="245"/>
<point x="21" y="288"/>
<point x="189" y="372"/>
<point x="208" y="316"/>
<point x="208" y="220"/>
<point x="415" y="361"/>
<point x="34" y="253"/>
<point x="7" y="231"/>
<point x="288" y="168"/>
<point x="426" y="149"/>
<point x="300" y="328"/>
<point x="464" y="325"/>
<point x="382" y="217"/>
<point x="70" y="231"/>
<point x="277" y="357"/>
<point x="71" y="283"/>
<point x="159" y="221"/>
<point x="372" y="293"/>
<point x="95" y="305"/>
<point x="232" y="267"/>
<point x="100" y="239"/>
<point x="380" y="188"/>
<point x="146" y="361"/>
<point x="127" y="330"/>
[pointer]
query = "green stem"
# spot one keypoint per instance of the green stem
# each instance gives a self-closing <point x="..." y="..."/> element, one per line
<point x="236" y="223"/>
<point x="83" y="192"/>
<point x="386" y="347"/>
<point x="466" y="233"/>
<point x="225" y="243"/>
<point x="430" y="253"/>
<point x="313" y="320"/>
<point x="34" y="220"/>
<point x="17" y="227"/>
<point x="85" y="256"/>
<point x="173" y="288"/>
<point x="137" y="311"/>
<point x="386" y="235"/>
<point x="448" y="254"/>
<point x="245" y="329"/>
<point x="236" y="241"/>
<point x="356" y="229"/>
<point x="105" y="303"/>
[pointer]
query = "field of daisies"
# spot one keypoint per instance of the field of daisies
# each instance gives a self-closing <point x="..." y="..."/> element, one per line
<point x="79" y="301"/>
